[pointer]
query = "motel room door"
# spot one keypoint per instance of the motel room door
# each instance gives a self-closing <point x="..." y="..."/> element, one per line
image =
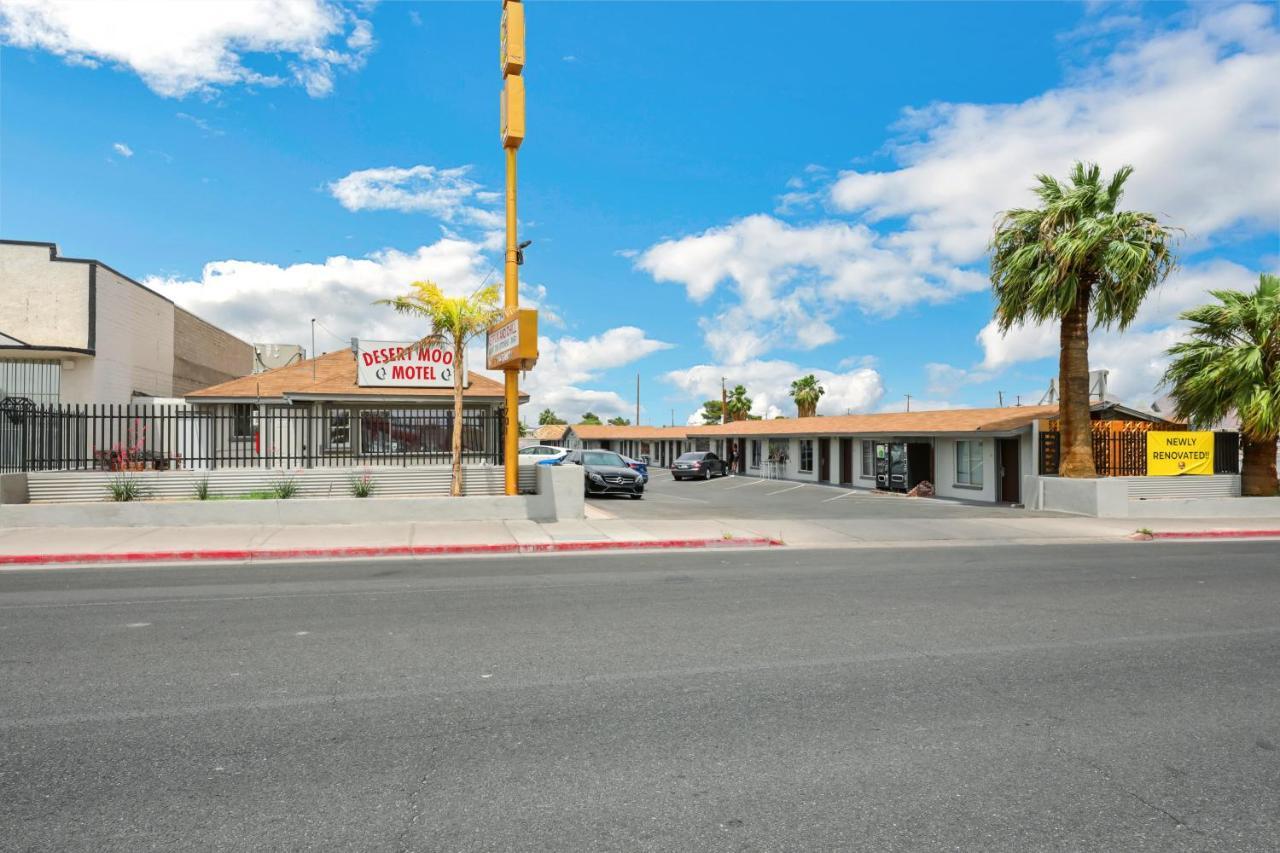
<point x="846" y="461"/>
<point x="1008" y="451"/>
<point x="824" y="460"/>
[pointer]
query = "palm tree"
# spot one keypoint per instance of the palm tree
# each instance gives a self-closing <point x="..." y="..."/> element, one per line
<point x="807" y="392"/>
<point x="1073" y="256"/>
<point x="738" y="405"/>
<point x="549" y="417"/>
<point x="1231" y="362"/>
<point x="454" y="320"/>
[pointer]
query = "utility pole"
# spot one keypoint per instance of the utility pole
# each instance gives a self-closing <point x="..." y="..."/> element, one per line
<point x="637" y="421"/>
<point x="313" y="350"/>
<point x="512" y="121"/>
<point x="1000" y="397"/>
<point x="908" y="402"/>
<point x="724" y="403"/>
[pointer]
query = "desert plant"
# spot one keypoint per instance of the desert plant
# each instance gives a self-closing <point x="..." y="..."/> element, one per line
<point x="1077" y="258"/>
<point x="202" y="488"/>
<point x="807" y="392"/>
<point x="125" y="487"/>
<point x="285" y="487"/>
<point x="454" y="320"/>
<point x="1230" y="362"/>
<point x="362" y="486"/>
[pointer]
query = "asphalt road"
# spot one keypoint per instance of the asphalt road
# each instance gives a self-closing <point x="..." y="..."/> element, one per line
<point x="1117" y="697"/>
<point x="756" y="498"/>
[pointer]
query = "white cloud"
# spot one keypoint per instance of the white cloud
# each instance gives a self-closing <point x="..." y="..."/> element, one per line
<point x="197" y="46"/>
<point x="122" y="149"/>
<point x="768" y="383"/>
<point x="1193" y="110"/>
<point x="787" y="278"/>
<point x="445" y="193"/>
<point x="564" y="365"/>
<point x="947" y="378"/>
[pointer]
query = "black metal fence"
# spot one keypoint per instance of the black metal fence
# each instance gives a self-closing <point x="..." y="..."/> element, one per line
<point x="136" y="437"/>
<point x="1124" y="454"/>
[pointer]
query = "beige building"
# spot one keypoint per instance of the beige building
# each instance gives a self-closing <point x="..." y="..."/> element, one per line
<point x="77" y="331"/>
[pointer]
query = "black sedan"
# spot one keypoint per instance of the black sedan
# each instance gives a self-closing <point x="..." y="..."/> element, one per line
<point x="698" y="465"/>
<point x="606" y="473"/>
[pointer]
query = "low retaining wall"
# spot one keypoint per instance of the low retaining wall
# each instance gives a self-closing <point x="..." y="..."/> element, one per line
<point x="559" y="498"/>
<point x="1139" y="497"/>
<point x="389" y="481"/>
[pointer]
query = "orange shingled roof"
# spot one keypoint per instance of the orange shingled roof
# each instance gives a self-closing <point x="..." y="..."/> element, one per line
<point x="335" y="378"/>
<point x="550" y="432"/>
<point x="606" y="432"/>
<point x="943" y="420"/>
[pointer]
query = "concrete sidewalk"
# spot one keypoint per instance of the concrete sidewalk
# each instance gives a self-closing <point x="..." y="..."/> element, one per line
<point x="43" y="546"/>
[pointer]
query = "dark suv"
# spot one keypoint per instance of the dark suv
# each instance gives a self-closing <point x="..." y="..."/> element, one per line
<point x="606" y="473"/>
<point x="698" y="465"/>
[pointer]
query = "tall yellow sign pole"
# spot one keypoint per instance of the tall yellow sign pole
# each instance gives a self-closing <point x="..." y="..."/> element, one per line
<point x="512" y="121"/>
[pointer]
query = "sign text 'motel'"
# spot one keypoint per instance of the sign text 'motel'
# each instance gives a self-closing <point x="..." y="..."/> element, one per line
<point x="512" y="342"/>
<point x="399" y="364"/>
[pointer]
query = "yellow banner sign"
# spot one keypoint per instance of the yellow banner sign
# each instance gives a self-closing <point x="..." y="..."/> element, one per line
<point x="1172" y="453"/>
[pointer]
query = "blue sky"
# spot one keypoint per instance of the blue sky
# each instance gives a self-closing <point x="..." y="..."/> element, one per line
<point x="750" y="190"/>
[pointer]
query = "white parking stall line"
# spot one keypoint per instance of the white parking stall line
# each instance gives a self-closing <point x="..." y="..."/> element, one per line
<point x="838" y="497"/>
<point x="662" y="497"/>
<point x="790" y="489"/>
<point x="748" y="485"/>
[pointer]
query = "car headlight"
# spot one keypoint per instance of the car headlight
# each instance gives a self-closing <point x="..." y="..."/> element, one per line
<point x="595" y="478"/>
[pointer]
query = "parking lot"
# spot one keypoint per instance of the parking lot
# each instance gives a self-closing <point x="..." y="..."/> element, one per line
<point x="756" y="498"/>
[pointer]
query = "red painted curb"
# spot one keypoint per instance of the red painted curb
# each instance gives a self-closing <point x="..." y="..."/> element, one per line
<point x="1217" y="534"/>
<point x="242" y="554"/>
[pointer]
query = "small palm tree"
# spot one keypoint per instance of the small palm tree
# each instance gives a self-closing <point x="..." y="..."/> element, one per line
<point x="454" y="320"/>
<point x="807" y="392"/>
<point x="549" y="417"/>
<point x="1231" y="363"/>
<point x="1073" y="256"/>
<point x="737" y="405"/>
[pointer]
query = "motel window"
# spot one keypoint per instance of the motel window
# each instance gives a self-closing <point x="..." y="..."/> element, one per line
<point x="778" y="451"/>
<point x="339" y="428"/>
<point x="755" y="452"/>
<point x="969" y="463"/>
<point x="242" y="420"/>
<point x="806" y="455"/>
<point x="868" y="459"/>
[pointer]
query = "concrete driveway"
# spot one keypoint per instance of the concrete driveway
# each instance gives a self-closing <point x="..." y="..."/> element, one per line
<point x="754" y="498"/>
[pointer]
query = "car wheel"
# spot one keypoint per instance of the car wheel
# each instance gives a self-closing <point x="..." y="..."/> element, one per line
<point x="706" y="474"/>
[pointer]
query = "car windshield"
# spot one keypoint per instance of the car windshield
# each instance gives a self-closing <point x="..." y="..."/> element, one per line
<point x="602" y="457"/>
<point x="691" y="457"/>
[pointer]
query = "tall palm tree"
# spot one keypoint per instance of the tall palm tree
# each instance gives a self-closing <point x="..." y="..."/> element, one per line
<point x="454" y="321"/>
<point x="549" y="417"/>
<point x="1073" y="256"/>
<point x="807" y="392"/>
<point x="738" y="405"/>
<point x="1231" y="363"/>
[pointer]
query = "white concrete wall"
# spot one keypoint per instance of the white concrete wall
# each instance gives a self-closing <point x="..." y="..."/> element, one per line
<point x="134" y="340"/>
<point x="944" y="467"/>
<point x="43" y="303"/>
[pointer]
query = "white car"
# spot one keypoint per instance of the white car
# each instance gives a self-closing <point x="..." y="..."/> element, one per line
<point x="541" y="454"/>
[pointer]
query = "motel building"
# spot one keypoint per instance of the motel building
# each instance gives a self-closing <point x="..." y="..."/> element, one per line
<point x="377" y="402"/>
<point x="967" y="454"/>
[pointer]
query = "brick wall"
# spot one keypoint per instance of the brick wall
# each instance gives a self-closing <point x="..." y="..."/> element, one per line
<point x="205" y="355"/>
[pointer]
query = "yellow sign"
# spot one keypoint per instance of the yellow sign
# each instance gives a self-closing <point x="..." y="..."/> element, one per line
<point x="512" y="111"/>
<point x="1172" y="453"/>
<point x="512" y="38"/>
<point x="512" y="342"/>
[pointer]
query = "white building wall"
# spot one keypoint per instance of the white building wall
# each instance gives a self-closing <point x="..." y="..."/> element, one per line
<point x="43" y="303"/>
<point x="945" y="470"/>
<point x="134" y="340"/>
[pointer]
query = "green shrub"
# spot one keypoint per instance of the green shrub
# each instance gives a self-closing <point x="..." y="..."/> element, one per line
<point x="285" y="487"/>
<point x="125" y="487"/>
<point x="202" y="488"/>
<point x="362" y="486"/>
